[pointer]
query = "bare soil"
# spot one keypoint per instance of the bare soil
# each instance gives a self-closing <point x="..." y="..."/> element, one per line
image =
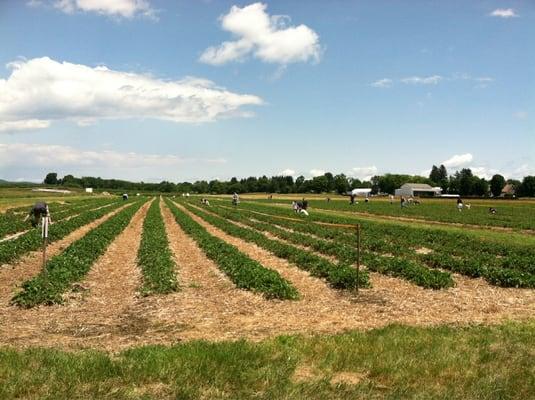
<point x="105" y="311"/>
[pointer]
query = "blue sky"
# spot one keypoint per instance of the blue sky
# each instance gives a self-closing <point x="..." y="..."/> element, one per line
<point x="146" y="90"/>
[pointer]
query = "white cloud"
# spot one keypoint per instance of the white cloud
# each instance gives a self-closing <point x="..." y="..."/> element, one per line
<point x="522" y="171"/>
<point x="114" y="8"/>
<point x="363" y="173"/>
<point x="287" y="172"/>
<point x="418" y="80"/>
<point x="382" y="83"/>
<point x="316" y="172"/>
<point x="520" y="114"/>
<point x="57" y="156"/>
<point x="458" y="160"/>
<point x="504" y="13"/>
<point x="26" y="125"/>
<point x="268" y="38"/>
<point x="45" y="90"/>
<point x="484" y="172"/>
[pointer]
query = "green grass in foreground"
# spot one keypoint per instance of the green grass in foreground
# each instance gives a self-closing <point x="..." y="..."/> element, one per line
<point x="395" y="362"/>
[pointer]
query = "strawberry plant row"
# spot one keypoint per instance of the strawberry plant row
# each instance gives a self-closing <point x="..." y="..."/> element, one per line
<point x="517" y="215"/>
<point x="342" y="276"/>
<point x="63" y="270"/>
<point x="347" y="253"/>
<point x="154" y="256"/>
<point x="471" y="259"/>
<point x="13" y="223"/>
<point x="12" y="249"/>
<point x="242" y="270"/>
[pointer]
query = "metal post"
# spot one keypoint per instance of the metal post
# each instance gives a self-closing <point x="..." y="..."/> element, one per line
<point x="358" y="255"/>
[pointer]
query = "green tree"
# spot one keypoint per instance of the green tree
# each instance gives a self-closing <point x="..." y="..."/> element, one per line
<point x="434" y="175"/>
<point x="341" y="184"/>
<point x="497" y="183"/>
<point x="466" y="182"/>
<point x="51" y="178"/>
<point x="443" y="178"/>
<point x="480" y="187"/>
<point x="527" y="187"/>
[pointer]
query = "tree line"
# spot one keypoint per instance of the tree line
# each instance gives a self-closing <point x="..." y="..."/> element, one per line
<point x="462" y="182"/>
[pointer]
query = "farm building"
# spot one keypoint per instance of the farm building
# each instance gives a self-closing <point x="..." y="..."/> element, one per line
<point x="360" y="192"/>
<point x="508" y="190"/>
<point x="418" y="189"/>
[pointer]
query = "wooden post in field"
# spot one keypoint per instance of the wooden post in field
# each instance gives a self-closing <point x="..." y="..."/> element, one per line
<point x="358" y="255"/>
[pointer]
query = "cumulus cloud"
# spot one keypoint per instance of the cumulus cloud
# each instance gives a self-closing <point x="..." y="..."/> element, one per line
<point x="504" y="13"/>
<point x="268" y="38"/>
<point x="113" y="8"/>
<point x="423" y="80"/>
<point x="57" y="156"/>
<point x="42" y="90"/>
<point x="287" y="172"/>
<point x="382" y="83"/>
<point x="458" y="160"/>
<point x="26" y="125"/>
<point x="363" y="173"/>
<point x="316" y="172"/>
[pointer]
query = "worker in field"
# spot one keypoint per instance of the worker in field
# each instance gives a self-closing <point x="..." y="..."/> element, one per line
<point x="37" y="212"/>
<point x="235" y="199"/>
<point x="125" y="196"/>
<point x="460" y="204"/>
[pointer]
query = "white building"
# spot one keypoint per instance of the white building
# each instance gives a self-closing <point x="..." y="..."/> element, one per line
<point x="361" y="192"/>
<point x="89" y="190"/>
<point x="418" y="189"/>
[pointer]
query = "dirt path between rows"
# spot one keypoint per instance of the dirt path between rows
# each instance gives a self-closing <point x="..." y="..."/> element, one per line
<point x="110" y="315"/>
<point x="309" y="287"/>
<point x="14" y="274"/>
<point x="97" y="310"/>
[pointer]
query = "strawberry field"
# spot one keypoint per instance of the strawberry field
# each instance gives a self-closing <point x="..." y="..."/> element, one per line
<point x="163" y="269"/>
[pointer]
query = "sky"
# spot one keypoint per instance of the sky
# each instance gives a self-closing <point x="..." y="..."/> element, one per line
<point x="152" y="90"/>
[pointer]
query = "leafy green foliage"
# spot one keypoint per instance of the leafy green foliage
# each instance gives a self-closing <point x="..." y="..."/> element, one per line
<point x="243" y="271"/>
<point x="500" y="264"/>
<point x="73" y="264"/>
<point x="12" y="249"/>
<point x="342" y="276"/>
<point x="345" y="252"/>
<point x="154" y="256"/>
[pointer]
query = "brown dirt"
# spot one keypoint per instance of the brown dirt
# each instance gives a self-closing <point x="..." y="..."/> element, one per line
<point x="347" y="378"/>
<point x="12" y="275"/>
<point x="208" y="306"/>
<point x="96" y="310"/>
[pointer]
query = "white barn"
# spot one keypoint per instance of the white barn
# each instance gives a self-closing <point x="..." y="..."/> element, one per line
<point x="418" y="189"/>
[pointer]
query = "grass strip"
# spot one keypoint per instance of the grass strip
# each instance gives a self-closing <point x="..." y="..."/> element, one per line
<point x="395" y="362"/>
<point x="154" y="256"/>
<point x="73" y="264"/>
<point x="341" y="276"/>
<point x="242" y="270"/>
